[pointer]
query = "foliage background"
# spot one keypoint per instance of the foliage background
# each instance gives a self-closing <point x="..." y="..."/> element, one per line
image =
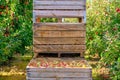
<point x="103" y="34"/>
<point x="103" y="31"/>
<point x="15" y="27"/>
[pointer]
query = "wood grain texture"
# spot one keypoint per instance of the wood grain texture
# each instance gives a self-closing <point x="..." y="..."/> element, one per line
<point x="73" y="73"/>
<point x="59" y="78"/>
<point x="74" y="41"/>
<point x="69" y="70"/>
<point x="59" y="48"/>
<point x="28" y="78"/>
<point x="59" y="26"/>
<point x="56" y="74"/>
<point x="62" y="37"/>
<point x="60" y="3"/>
<point x="59" y="34"/>
<point x="56" y="13"/>
<point x="55" y="7"/>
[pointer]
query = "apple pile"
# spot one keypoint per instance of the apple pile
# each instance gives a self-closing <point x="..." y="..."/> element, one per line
<point x="44" y="63"/>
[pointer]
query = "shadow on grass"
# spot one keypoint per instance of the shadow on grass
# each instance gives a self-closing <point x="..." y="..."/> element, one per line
<point x="14" y="77"/>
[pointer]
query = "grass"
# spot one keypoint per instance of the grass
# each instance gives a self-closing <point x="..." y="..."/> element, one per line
<point x="15" y="70"/>
<point x="14" y="77"/>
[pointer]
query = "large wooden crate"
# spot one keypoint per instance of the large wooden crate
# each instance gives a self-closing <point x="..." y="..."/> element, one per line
<point x="59" y="69"/>
<point x="59" y="37"/>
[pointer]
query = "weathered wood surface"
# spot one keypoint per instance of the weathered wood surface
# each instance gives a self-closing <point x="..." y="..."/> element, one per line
<point x="73" y="73"/>
<point x="56" y="74"/>
<point x="55" y="7"/>
<point x="59" y="33"/>
<point x="28" y="78"/>
<point x="59" y="48"/>
<point x="59" y="37"/>
<point x="56" y="40"/>
<point x="55" y="13"/>
<point x="59" y="78"/>
<point x="77" y="70"/>
<point x="59" y="26"/>
<point x="60" y="2"/>
<point x="59" y="8"/>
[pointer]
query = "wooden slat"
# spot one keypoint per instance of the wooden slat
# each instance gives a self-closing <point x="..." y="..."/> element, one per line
<point x="56" y="74"/>
<point x="54" y="13"/>
<point x="34" y="18"/>
<point x="59" y="48"/>
<point x="77" y="70"/>
<point x="59" y="78"/>
<point x="57" y="0"/>
<point x="40" y="7"/>
<point x="60" y="3"/>
<point x="59" y="20"/>
<point x="59" y="26"/>
<point x="38" y="40"/>
<point x="28" y="78"/>
<point x="59" y="34"/>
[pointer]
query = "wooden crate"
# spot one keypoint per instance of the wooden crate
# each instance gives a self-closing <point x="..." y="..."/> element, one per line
<point x="50" y="69"/>
<point x="59" y="38"/>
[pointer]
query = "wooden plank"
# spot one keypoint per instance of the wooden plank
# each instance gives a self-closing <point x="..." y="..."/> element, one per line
<point x="58" y="54"/>
<point x="59" y="20"/>
<point x="59" y="33"/>
<point x="57" y="0"/>
<point x="28" y="78"/>
<point x="59" y="26"/>
<point x="34" y="19"/>
<point x="56" y="13"/>
<point x="59" y="78"/>
<point x="59" y="48"/>
<point x="60" y="3"/>
<point x="40" y="7"/>
<point x="56" y="74"/>
<point x="75" y="78"/>
<point x="69" y="70"/>
<point x="74" y="41"/>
